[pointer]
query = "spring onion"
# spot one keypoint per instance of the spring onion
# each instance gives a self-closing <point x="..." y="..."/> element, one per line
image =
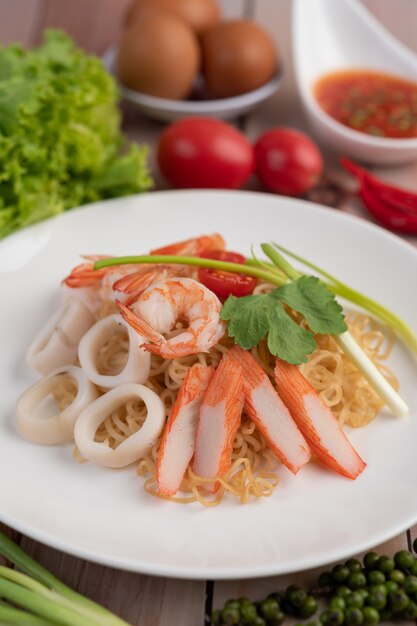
<point x="43" y="600"/>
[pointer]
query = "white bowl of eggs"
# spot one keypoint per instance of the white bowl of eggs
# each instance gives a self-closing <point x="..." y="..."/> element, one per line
<point x="178" y="59"/>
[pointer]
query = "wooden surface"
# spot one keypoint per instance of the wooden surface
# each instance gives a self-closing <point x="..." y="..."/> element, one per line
<point x="94" y="24"/>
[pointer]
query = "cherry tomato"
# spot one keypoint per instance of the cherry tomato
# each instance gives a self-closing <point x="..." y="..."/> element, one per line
<point x="204" y="152"/>
<point x="287" y="161"/>
<point x="224" y="284"/>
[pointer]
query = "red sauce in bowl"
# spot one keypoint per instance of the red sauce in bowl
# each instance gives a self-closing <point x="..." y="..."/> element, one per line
<point x="370" y="102"/>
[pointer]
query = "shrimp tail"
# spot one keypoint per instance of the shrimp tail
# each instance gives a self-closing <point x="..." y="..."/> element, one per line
<point x="141" y="327"/>
<point x="84" y="274"/>
<point x="316" y="421"/>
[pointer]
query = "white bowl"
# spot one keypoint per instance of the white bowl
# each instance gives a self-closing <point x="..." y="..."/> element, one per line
<point x="332" y="35"/>
<point x="170" y="110"/>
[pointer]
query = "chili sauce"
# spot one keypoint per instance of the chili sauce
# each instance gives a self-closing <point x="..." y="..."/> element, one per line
<point x="370" y="102"/>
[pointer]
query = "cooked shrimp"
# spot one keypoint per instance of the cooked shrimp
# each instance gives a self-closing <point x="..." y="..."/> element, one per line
<point x="193" y="247"/>
<point x="160" y="307"/>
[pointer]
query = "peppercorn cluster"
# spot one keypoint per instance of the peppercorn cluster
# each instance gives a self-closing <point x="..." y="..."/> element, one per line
<point x="378" y="589"/>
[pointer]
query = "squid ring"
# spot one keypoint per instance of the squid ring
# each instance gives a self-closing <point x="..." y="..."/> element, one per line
<point x="132" y="448"/>
<point x="38" y="419"/>
<point x="56" y="344"/>
<point x="138" y="363"/>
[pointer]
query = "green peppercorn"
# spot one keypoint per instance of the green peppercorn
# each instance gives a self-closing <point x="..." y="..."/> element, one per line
<point x="343" y="591"/>
<point x="232" y="604"/>
<point x="230" y="616"/>
<point x="377" y="598"/>
<point x="356" y="580"/>
<point x="397" y="576"/>
<point x="370" y="615"/>
<point x="385" y="564"/>
<point x="296" y="597"/>
<point x="378" y="589"/>
<point x="216" y="618"/>
<point x="259" y="621"/>
<point x="337" y="602"/>
<point x="403" y="559"/>
<point x="325" y="579"/>
<point x="355" y="600"/>
<point x="410" y="611"/>
<point x="354" y="565"/>
<point x="332" y="617"/>
<point x="410" y="584"/>
<point x="248" y="612"/>
<point x="309" y="607"/>
<point x="363" y="592"/>
<point x="413" y="568"/>
<point x="375" y="577"/>
<point x="398" y="600"/>
<point x="353" y="617"/>
<point x="269" y="608"/>
<point x="340" y="573"/>
<point x="277" y="620"/>
<point x="391" y="585"/>
<point x="370" y="560"/>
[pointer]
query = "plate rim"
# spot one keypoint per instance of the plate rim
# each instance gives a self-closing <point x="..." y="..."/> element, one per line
<point x="214" y="572"/>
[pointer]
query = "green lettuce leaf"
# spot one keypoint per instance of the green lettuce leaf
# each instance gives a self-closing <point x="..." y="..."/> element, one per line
<point x="60" y="139"/>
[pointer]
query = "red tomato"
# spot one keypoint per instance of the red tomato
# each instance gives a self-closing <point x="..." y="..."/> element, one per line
<point x="224" y="284"/>
<point x="287" y="161"/>
<point x="204" y="152"/>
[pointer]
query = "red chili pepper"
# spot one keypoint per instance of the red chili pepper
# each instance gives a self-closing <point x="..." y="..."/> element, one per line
<point x="394" y="207"/>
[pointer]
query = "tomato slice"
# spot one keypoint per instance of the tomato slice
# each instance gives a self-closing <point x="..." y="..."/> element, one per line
<point x="224" y="284"/>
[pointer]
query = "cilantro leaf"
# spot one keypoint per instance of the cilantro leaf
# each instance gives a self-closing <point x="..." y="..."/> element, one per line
<point x="286" y="339"/>
<point x="251" y="318"/>
<point x="310" y="297"/>
<point x="248" y="319"/>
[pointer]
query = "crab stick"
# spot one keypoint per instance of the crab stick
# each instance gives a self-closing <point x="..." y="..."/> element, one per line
<point x="219" y="421"/>
<point x="178" y="440"/>
<point x="270" y="415"/>
<point x="316" y="421"/>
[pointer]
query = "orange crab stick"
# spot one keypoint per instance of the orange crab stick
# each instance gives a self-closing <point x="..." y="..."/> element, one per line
<point x="178" y="439"/>
<point x="219" y="421"/>
<point x="270" y="415"/>
<point x="316" y="421"/>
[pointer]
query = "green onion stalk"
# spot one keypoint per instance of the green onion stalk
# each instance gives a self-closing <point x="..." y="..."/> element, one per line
<point x="348" y="344"/>
<point x="279" y="272"/>
<point x="35" y="597"/>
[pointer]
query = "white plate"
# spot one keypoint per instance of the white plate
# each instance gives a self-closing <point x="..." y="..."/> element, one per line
<point x="104" y="515"/>
<point x="170" y="110"/>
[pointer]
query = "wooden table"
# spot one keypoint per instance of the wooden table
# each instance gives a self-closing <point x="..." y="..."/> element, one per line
<point x="145" y="600"/>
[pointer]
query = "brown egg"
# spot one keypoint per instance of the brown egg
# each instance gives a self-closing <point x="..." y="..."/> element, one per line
<point x="237" y="56"/>
<point x="198" y="14"/>
<point x="159" y="55"/>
